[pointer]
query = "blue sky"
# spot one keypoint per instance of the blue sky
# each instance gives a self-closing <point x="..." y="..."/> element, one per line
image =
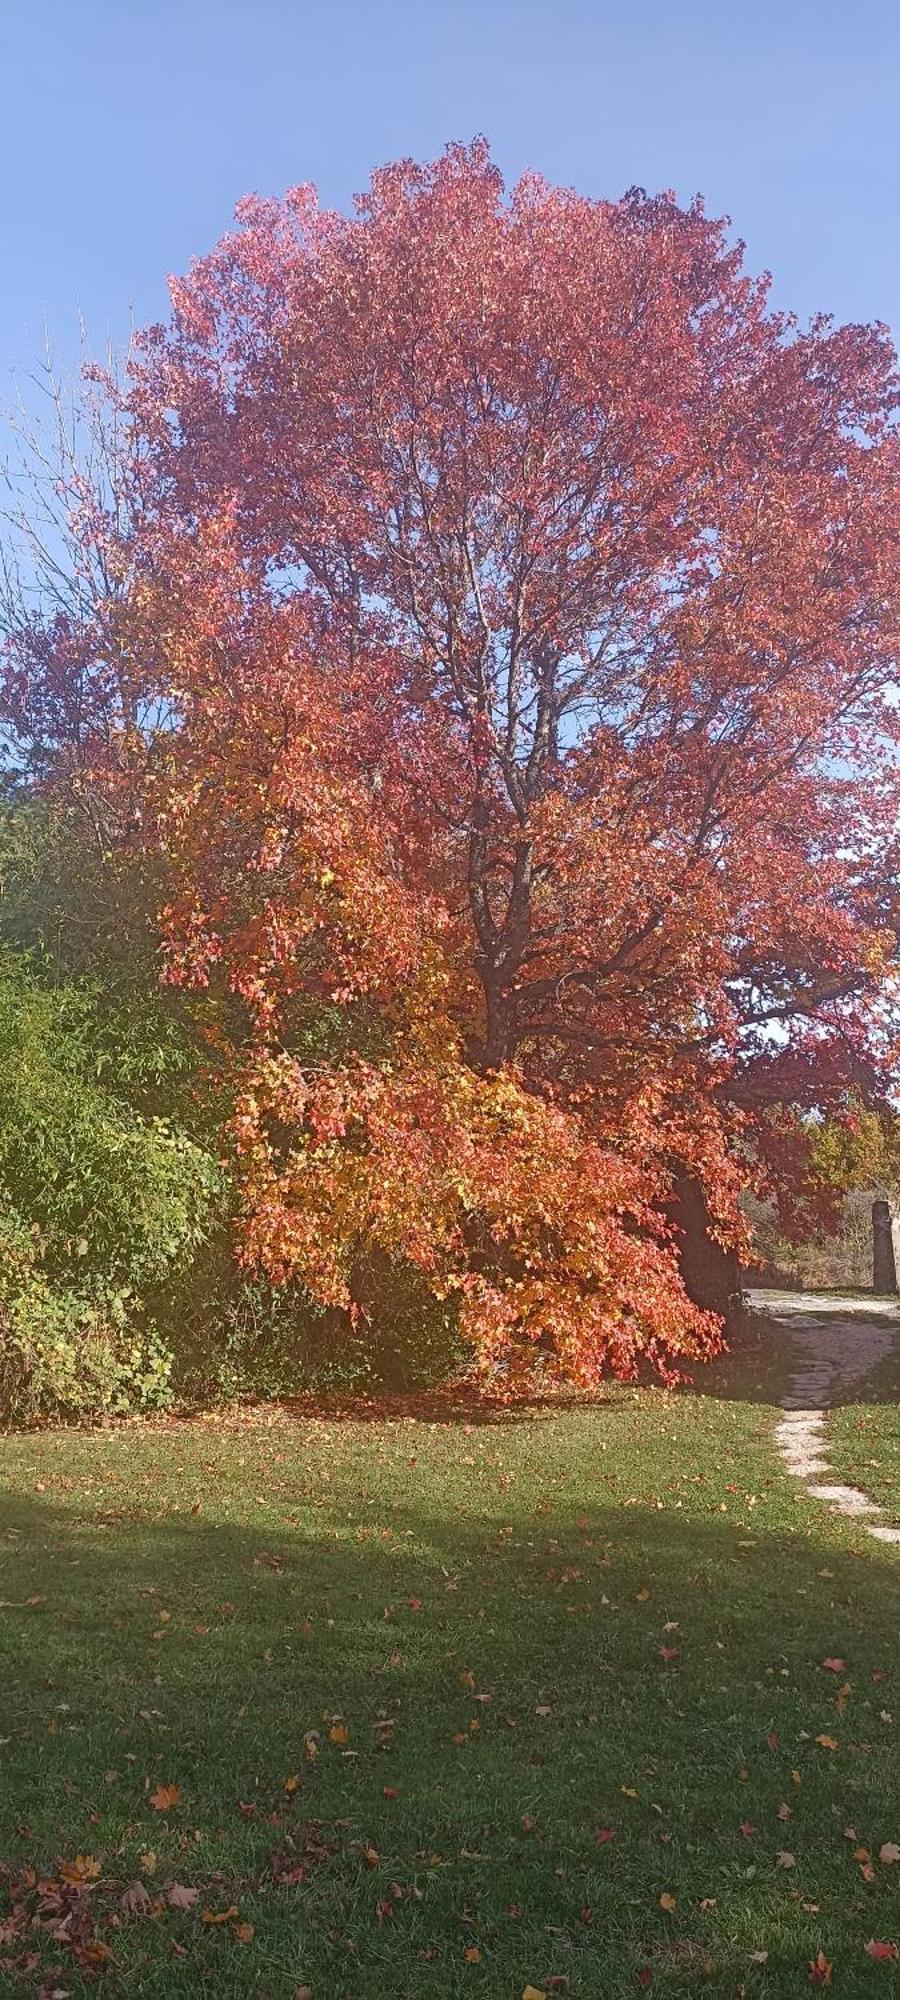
<point x="130" y="127"/>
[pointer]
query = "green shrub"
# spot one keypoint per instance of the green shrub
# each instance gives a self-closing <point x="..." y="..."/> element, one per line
<point x="66" y="1353"/>
<point x="100" y="1206"/>
<point x="261" y="1339"/>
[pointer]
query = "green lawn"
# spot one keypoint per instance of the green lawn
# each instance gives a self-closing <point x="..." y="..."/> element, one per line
<point x="450" y="1706"/>
<point x="865" y="1437"/>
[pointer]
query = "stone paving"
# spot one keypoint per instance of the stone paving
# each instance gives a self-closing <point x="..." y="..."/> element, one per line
<point x="836" y="1343"/>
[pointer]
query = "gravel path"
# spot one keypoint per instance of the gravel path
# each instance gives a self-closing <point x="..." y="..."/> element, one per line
<point x="836" y="1342"/>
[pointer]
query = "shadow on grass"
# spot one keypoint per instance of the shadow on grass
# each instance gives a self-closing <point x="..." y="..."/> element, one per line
<point x="450" y="1407"/>
<point x="503" y="1693"/>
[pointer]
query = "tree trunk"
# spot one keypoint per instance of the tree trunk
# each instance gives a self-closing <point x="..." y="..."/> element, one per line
<point x="711" y="1274"/>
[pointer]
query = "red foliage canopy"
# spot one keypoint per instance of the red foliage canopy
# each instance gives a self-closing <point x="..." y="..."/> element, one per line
<point x="521" y="596"/>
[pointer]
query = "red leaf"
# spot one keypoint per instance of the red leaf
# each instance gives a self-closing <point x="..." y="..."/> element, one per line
<point x="165" y="1797"/>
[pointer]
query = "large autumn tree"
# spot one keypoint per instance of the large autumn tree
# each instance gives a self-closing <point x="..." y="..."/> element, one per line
<point x="510" y="598"/>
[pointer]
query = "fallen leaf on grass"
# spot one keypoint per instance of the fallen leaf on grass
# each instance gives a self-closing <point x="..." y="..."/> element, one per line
<point x="13" y="1926"/>
<point x="889" y="1851"/>
<point x="820" y="1970"/>
<point x="164" y="1797"/>
<point x="93" y="1956"/>
<point x="339" y="1734"/>
<point x="136" y="1900"/>
<point x="667" y="1902"/>
<point x="472" y="1955"/>
<point x="533" y="1993"/>
<point x="759" y="1958"/>
<point x="220" y="1916"/>
<point x="181" y="1898"/>
<point x="291" y="1784"/>
<point x="835" y="1666"/>
<point x="604" y="1834"/>
<point x="786" y="1860"/>
<point x="83" y="1869"/>
<point x="243" y="1933"/>
<point x="880" y="1951"/>
<point x="827" y="1742"/>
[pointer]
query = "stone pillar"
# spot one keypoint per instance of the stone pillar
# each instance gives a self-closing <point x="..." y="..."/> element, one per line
<point x="884" y="1260"/>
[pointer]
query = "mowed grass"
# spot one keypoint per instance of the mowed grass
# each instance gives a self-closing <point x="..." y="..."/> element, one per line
<point x="865" y="1436"/>
<point x="453" y="1707"/>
